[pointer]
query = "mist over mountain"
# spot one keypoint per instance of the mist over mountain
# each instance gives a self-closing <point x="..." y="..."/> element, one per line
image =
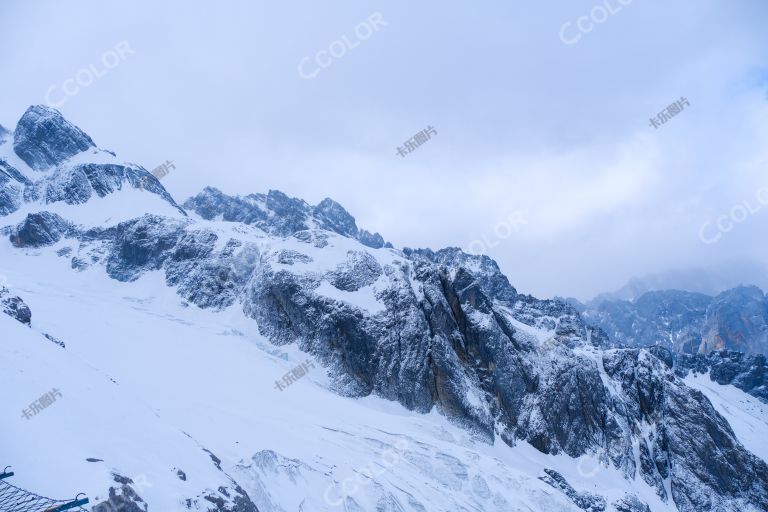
<point x="259" y="353"/>
<point x="710" y="280"/>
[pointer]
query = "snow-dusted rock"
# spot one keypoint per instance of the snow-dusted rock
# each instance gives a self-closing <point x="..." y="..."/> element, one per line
<point x="40" y="230"/>
<point x="4" y="134"/>
<point x="14" y="306"/>
<point x="12" y="184"/>
<point x="278" y="214"/>
<point x="44" y="139"/>
<point x="431" y="330"/>
<point x="747" y="372"/>
<point x="687" y="322"/>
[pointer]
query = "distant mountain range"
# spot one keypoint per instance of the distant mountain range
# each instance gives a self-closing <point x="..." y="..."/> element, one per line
<point x="710" y="280"/>
<point x="684" y="321"/>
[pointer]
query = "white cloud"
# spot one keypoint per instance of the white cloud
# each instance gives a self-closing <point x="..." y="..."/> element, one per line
<point x="524" y="121"/>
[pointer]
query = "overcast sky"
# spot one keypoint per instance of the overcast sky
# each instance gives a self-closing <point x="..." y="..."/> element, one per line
<point x="536" y="119"/>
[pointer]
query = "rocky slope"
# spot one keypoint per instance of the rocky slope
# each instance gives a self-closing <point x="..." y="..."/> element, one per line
<point x="748" y="373"/>
<point x="431" y="330"/>
<point x="14" y="306"/>
<point x="280" y="215"/>
<point x="686" y="322"/>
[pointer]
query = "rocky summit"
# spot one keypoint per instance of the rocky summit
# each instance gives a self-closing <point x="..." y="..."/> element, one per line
<point x="44" y="139"/>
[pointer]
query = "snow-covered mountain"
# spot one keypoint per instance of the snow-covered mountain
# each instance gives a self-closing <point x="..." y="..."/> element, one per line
<point x="686" y="322"/>
<point x="710" y="280"/>
<point x="259" y="353"/>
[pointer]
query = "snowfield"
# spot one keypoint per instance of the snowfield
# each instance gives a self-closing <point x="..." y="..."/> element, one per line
<point x="747" y="415"/>
<point x="147" y="383"/>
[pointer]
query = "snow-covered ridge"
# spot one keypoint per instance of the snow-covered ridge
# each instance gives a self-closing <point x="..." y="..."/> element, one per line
<point x="433" y="377"/>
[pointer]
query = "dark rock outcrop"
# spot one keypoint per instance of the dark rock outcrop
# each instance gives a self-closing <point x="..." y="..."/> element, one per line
<point x="584" y="500"/>
<point x="14" y="307"/>
<point x="692" y="445"/>
<point x="333" y="217"/>
<point x="44" y="139"/>
<point x="737" y="319"/>
<point x="278" y="214"/>
<point x="4" y="134"/>
<point x="630" y="503"/>
<point x="78" y="184"/>
<point x="40" y="229"/>
<point x="748" y="373"/>
<point x="687" y="322"/>
<point x="12" y="185"/>
<point x="673" y="319"/>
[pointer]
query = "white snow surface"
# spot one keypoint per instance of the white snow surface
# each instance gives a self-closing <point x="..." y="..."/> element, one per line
<point x="116" y="207"/>
<point x="147" y="383"/>
<point x="747" y="415"/>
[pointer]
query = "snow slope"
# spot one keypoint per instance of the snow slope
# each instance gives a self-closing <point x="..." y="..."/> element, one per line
<point x="141" y="370"/>
<point x="747" y="415"/>
<point x="184" y="401"/>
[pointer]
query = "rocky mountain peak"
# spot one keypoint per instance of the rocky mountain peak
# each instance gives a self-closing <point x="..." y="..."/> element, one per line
<point x="751" y="293"/>
<point x="44" y="139"/>
<point x="686" y="322"/>
<point x="737" y="319"/>
<point x="279" y="214"/>
<point x="335" y="216"/>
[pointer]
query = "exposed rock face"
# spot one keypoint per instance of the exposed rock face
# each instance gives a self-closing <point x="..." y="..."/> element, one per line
<point x="584" y="500"/>
<point x="39" y="230"/>
<point x="14" y="306"/>
<point x="671" y="318"/>
<point x="631" y="503"/>
<point x="44" y="139"/>
<point x="748" y="373"/>
<point x="333" y="217"/>
<point x="126" y="497"/>
<point x="463" y="324"/>
<point x="687" y="322"/>
<point x="737" y="319"/>
<point x="684" y="448"/>
<point x="4" y="133"/>
<point x="121" y="499"/>
<point x="279" y="214"/>
<point x="77" y="184"/>
<point x="12" y="184"/>
<point x="429" y="329"/>
<point x="451" y="333"/>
